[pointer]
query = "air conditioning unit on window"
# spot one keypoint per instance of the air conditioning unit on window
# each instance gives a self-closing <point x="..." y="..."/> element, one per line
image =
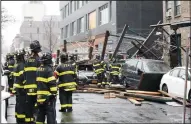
<point x="168" y="14"/>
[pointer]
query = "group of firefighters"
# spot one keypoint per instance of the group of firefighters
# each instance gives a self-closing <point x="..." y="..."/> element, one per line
<point x="35" y="82"/>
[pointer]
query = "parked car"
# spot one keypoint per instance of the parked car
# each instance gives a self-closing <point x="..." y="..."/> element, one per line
<point x="133" y="68"/>
<point x="174" y="82"/>
<point x="86" y="75"/>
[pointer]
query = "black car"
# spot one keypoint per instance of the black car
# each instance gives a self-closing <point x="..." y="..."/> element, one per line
<point x="133" y="68"/>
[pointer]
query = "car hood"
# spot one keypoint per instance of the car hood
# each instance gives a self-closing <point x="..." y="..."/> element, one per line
<point x="86" y="73"/>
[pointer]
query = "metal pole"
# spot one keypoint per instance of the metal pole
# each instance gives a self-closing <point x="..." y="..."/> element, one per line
<point x="185" y="88"/>
<point x="104" y="45"/>
<point x="119" y="41"/>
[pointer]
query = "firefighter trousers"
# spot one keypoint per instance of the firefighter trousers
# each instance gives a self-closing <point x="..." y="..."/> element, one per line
<point x="10" y="83"/>
<point x="114" y="79"/>
<point x="102" y="80"/>
<point x="65" y="99"/>
<point x="20" y="109"/>
<point x="30" y="108"/>
<point x="47" y="109"/>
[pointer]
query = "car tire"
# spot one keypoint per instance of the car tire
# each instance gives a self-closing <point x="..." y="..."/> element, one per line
<point x="165" y="88"/>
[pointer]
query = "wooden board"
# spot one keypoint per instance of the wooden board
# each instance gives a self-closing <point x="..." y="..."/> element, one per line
<point x="143" y="92"/>
<point x="138" y="99"/>
<point x="134" y="102"/>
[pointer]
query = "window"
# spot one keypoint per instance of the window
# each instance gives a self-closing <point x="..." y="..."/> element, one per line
<point x="73" y="6"/>
<point x="176" y="7"/>
<point x="104" y="14"/>
<point x="62" y="31"/>
<point x="174" y="73"/>
<point x="168" y="5"/>
<point x="81" y="24"/>
<point x="92" y="20"/>
<point x="62" y="13"/>
<point x="66" y="31"/>
<point x="80" y="4"/>
<point x="66" y="11"/>
<point x="182" y="73"/>
<point x="131" y="65"/>
<point x="73" y="28"/>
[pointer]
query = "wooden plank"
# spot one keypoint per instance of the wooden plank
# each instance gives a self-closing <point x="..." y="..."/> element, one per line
<point x="175" y="98"/>
<point x="150" y="98"/>
<point x="138" y="99"/>
<point x="134" y="102"/>
<point x="126" y="97"/>
<point x="143" y="92"/>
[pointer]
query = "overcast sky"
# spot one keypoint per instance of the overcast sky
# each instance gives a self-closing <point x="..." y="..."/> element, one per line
<point x="15" y="8"/>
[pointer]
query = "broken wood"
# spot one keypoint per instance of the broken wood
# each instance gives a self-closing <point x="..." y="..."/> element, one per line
<point x="143" y="92"/>
<point x="138" y="99"/>
<point x="150" y="98"/>
<point x="175" y="98"/>
<point x="134" y="102"/>
<point x="126" y="97"/>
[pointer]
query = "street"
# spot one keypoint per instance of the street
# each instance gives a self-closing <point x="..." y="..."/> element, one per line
<point x="93" y="108"/>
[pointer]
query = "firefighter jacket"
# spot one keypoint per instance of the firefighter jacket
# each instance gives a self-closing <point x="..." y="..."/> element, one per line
<point x="19" y="79"/>
<point x="66" y="74"/>
<point x="115" y="69"/>
<point x="11" y="65"/>
<point x="46" y="83"/>
<point x="99" y="66"/>
<point x="31" y="65"/>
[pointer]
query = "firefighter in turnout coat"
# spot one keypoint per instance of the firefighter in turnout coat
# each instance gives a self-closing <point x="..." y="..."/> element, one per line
<point x="31" y="65"/>
<point x="46" y="91"/>
<point x="66" y="74"/>
<point x="19" y="87"/>
<point x="11" y="64"/>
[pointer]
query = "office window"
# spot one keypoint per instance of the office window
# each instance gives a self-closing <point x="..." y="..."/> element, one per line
<point x="62" y="33"/>
<point x="73" y="28"/>
<point x="81" y="24"/>
<point x="73" y="6"/>
<point x="66" y="31"/>
<point x="168" y="5"/>
<point x="79" y="4"/>
<point x="104" y="14"/>
<point x="62" y="13"/>
<point x="176" y="7"/>
<point x="92" y="20"/>
<point x="66" y="11"/>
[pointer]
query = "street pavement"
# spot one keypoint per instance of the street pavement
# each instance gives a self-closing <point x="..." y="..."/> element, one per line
<point x="93" y="108"/>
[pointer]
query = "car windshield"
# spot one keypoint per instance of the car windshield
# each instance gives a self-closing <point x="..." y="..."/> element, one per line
<point x="156" y="67"/>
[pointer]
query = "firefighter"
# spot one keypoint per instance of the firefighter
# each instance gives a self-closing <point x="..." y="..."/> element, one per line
<point x="114" y="72"/>
<point x="100" y="69"/>
<point x="11" y="63"/>
<point x="31" y="65"/>
<point x="66" y="74"/>
<point x="46" y="91"/>
<point x="19" y="87"/>
<point x="73" y="62"/>
<point x="5" y="66"/>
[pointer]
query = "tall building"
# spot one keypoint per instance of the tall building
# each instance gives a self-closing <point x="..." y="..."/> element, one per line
<point x="33" y="11"/>
<point x="175" y="12"/>
<point x="88" y="20"/>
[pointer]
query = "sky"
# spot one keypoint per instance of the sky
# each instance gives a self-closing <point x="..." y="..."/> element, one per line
<point x="14" y="8"/>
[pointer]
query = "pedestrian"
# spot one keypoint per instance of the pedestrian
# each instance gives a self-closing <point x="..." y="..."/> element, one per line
<point x="18" y="86"/>
<point x="46" y="91"/>
<point x="31" y="65"/>
<point x="66" y="74"/>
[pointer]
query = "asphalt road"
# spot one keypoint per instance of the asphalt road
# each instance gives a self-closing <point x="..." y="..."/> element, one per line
<point x="93" y="108"/>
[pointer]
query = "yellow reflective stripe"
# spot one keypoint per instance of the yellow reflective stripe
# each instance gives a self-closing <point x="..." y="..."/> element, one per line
<point x="32" y="94"/>
<point x="41" y="100"/>
<point x="10" y="66"/>
<point x="98" y="70"/>
<point x="20" y="116"/>
<point x="16" y="74"/>
<point x="30" y="68"/>
<point x="69" y="105"/>
<point x="53" y="89"/>
<point x="70" y="89"/>
<point x="43" y="92"/>
<point x="18" y="86"/>
<point x="66" y="72"/>
<point x="115" y="67"/>
<point x="29" y="119"/>
<point x="39" y="122"/>
<point x="30" y="86"/>
<point x="96" y="64"/>
<point x="46" y="80"/>
<point x="35" y="105"/>
<point x="67" y="84"/>
<point x="64" y="105"/>
<point x="24" y="81"/>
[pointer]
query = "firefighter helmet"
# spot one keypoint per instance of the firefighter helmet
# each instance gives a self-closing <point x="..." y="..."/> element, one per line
<point x="19" y="54"/>
<point x="98" y="57"/>
<point x="35" y="46"/>
<point x="63" y="57"/>
<point x="46" y="58"/>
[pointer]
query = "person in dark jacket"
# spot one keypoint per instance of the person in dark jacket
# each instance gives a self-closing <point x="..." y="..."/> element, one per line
<point x="31" y="65"/>
<point x="66" y="74"/>
<point x="46" y="91"/>
<point x="18" y="87"/>
<point x="11" y="64"/>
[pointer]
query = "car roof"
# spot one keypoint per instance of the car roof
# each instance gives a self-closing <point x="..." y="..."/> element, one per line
<point x="147" y="60"/>
<point x="183" y="67"/>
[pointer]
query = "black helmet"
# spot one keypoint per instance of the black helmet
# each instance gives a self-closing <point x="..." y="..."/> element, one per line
<point x="63" y="57"/>
<point x="35" y="46"/>
<point x="46" y="58"/>
<point x="19" y="54"/>
<point x="98" y="57"/>
<point x="11" y="55"/>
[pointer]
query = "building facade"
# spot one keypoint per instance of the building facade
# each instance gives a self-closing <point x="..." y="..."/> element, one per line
<point x="86" y="20"/>
<point x="33" y="11"/>
<point x="47" y="32"/>
<point x="176" y="11"/>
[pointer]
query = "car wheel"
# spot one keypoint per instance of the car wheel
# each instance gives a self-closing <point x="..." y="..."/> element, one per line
<point x="165" y="88"/>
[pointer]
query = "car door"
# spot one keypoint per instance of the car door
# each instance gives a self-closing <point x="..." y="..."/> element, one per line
<point x="131" y="71"/>
<point x="180" y="82"/>
<point x="139" y="67"/>
<point x="171" y="81"/>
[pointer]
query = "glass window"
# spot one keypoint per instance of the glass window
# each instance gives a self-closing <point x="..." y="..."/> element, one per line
<point x="66" y="31"/>
<point x="66" y="11"/>
<point x="80" y="4"/>
<point x="73" y="6"/>
<point x="168" y="5"/>
<point x="73" y="28"/>
<point x="131" y="64"/>
<point x="92" y="20"/>
<point x="81" y="24"/>
<point x="182" y="73"/>
<point x="176" y="7"/>
<point x="175" y="72"/>
<point x="62" y="31"/>
<point x="104" y="14"/>
<point x="155" y="66"/>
